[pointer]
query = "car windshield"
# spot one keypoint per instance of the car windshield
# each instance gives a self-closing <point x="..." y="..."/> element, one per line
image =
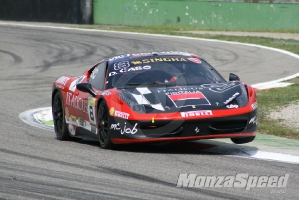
<point x="171" y="71"/>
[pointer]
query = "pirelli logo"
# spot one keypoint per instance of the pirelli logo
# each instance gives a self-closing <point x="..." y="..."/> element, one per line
<point x="197" y="113"/>
<point x="121" y="114"/>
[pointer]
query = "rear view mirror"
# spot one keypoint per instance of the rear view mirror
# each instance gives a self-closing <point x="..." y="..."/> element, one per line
<point x="233" y="77"/>
<point x="86" y="87"/>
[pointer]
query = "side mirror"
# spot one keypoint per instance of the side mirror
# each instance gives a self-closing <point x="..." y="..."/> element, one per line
<point x="233" y="77"/>
<point x="86" y="87"/>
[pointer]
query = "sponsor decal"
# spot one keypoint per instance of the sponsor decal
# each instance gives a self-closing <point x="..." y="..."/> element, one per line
<point x="73" y="118"/>
<point x="111" y="111"/>
<point x="254" y="106"/>
<point x="112" y="73"/>
<point x="119" y="57"/>
<point x="253" y="120"/>
<point x="137" y="68"/>
<point x="216" y="87"/>
<point x="232" y="106"/>
<point x="81" y="122"/>
<point x="121" y="65"/>
<point x="221" y="87"/>
<point x="195" y="60"/>
<point x="176" y="90"/>
<point x="62" y="80"/>
<point x="231" y="98"/>
<point x="245" y="181"/>
<point x="76" y="102"/>
<point x="91" y="109"/>
<point x="75" y="82"/>
<point x="146" y="67"/>
<point x="121" y="114"/>
<point x="106" y="92"/>
<point x="138" y="55"/>
<point x="160" y="53"/>
<point x="125" y="129"/>
<point x="197" y="113"/>
<point x="144" y="61"/>
<point x="71" y="129"/>
<point x="188" y="99"/>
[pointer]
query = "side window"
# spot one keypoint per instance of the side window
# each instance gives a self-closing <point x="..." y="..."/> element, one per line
<point x="97" y="77"/>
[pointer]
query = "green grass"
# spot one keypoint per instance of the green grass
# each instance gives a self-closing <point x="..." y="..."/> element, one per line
<point x="274" y="100"/>
<point x="268" y="100"/>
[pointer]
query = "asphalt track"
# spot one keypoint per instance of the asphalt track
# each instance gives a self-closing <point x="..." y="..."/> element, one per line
<point x="34" y="165"/>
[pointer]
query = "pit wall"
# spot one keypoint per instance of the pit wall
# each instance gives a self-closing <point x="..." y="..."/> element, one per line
<point x="206" y="15"/>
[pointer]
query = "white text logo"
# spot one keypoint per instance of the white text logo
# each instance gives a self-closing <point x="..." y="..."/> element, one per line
<point x="196" y="113"/>
<point x="125" y="129"/>
<point x="237" y="181"/>
<point x="231" y="98"/>
<point x="254" y="106"/>
<point x="121" y="114"/>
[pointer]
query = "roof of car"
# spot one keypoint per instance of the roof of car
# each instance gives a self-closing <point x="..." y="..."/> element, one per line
<point x="147" y="54"/>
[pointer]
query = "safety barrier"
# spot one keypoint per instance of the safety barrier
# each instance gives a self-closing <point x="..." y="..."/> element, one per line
<point x="206" y="15"/>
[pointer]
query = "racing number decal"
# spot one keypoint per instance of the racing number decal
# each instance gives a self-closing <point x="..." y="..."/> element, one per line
<point x="91" y="110"/>
<point x="91" y="114"/>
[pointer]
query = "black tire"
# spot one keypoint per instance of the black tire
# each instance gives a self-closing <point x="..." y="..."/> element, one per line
<point x="103" y="126"/>
<point x="58" y="113"/>
<point x="242" y="140"/>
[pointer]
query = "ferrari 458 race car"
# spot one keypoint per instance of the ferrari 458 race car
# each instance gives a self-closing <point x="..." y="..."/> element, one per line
<point x="153" y="97"/>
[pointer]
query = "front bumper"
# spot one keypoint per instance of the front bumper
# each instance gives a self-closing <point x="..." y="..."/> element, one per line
<point x="134" y="131"/>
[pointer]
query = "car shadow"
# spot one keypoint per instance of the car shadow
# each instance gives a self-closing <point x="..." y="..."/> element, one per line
<point x="205" y="146"/>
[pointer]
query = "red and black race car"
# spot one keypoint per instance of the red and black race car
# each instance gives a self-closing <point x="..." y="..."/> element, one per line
<point x="153" y="97"/>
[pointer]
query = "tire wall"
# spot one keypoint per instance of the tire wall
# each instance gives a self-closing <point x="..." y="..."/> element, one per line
<point x="63" y="11"/>
<point x="245" y="16"/>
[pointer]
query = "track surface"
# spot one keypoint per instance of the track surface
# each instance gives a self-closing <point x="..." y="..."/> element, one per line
<point x="34" y="164"/>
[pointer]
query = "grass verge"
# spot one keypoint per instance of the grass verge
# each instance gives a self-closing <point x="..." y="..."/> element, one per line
<point x="274" y="100"/>
<point x="268" y="100"/>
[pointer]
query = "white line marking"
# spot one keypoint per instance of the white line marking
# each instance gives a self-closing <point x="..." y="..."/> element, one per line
<point x="277" y="157"/>
<point x="29" y="118"/>
<point x="252" y="152"/>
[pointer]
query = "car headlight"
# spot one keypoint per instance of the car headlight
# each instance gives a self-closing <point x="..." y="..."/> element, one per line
<point x="138" y="108"/>
<point x="126" y="97"/>
<point x="243" y="98"/>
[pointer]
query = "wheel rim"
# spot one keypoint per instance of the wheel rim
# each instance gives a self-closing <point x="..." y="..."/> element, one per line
<point x="103" y="126"/>
<point x="58" y="114"/>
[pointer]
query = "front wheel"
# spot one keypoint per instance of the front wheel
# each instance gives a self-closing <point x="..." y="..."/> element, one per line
<point x="60" y="125"/>
<point x="242" y="140"/>
<point x="103" y="126"/>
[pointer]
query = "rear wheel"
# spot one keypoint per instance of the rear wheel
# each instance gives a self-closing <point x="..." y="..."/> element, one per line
<point x="58" y="113"/>
<point x="103" y="126"/>
<point x="242" y="140"/>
